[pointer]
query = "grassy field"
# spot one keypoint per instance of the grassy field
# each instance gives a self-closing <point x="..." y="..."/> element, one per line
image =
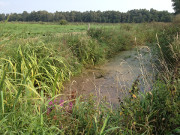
<point x="16" y="28"/>
<point x="36" y="60"/>
<point x="34" y="29"/>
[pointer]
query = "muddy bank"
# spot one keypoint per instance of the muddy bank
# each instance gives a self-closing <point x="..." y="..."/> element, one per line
<point x="114" y="79"/>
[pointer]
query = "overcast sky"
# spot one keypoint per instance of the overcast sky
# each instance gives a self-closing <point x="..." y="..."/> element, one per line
<point x="18" y="6"/>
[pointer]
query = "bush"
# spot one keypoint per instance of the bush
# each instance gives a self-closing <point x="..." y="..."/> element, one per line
<point x="155" y="112"/>
<point x="63" y="22"/>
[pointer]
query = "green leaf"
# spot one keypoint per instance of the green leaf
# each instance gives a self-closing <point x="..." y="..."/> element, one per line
<point x="104" y="125"/>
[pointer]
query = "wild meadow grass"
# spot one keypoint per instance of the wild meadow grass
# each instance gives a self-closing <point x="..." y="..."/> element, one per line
<point x="36" y="60"/>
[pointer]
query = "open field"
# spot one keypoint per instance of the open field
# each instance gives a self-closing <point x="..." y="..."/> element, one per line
<point x="35" y="28"/>
<point x="36" y="60"/>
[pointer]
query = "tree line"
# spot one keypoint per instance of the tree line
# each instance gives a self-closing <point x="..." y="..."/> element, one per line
<point x="132" y="16"/>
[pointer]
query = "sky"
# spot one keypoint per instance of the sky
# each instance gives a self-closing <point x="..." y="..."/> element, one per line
<point x="18" y="6"/>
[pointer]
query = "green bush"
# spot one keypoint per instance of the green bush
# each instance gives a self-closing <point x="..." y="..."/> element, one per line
<point x="155" y="112"/>
<point x="63" y="22"/>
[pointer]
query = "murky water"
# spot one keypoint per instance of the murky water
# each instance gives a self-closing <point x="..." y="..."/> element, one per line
<point x="114" y="79"/>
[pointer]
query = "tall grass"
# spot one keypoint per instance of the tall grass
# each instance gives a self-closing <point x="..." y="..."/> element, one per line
<point x="87" y="50"/>
<point x="112" y="40"/>
<point x="32" y="76"/>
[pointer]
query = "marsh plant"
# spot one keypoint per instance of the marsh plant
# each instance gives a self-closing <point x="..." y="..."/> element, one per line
<point x="32" y="76"/>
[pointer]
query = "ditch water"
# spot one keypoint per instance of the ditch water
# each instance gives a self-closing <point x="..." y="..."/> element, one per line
<point x="114" y="79"/>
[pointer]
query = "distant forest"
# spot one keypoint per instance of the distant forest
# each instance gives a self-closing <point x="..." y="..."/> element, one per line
<point x="132" y="16"/>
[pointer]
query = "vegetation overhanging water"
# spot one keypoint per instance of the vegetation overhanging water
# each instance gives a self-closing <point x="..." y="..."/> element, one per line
<point x="35" y="63"/>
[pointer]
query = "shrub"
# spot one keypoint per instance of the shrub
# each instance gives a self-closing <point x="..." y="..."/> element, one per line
<point x="155" y="112"/>
<point x="63" y="22"/>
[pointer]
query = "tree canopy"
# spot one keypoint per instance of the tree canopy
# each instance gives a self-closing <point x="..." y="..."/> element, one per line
<point x="176" y="6"/>
<point x="132" y="16"/>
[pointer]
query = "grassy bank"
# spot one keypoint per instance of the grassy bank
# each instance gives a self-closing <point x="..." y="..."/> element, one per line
<point x="37" y="59"/>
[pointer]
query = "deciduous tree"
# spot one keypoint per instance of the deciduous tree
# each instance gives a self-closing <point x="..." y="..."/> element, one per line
<point x="176" y="6"/>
